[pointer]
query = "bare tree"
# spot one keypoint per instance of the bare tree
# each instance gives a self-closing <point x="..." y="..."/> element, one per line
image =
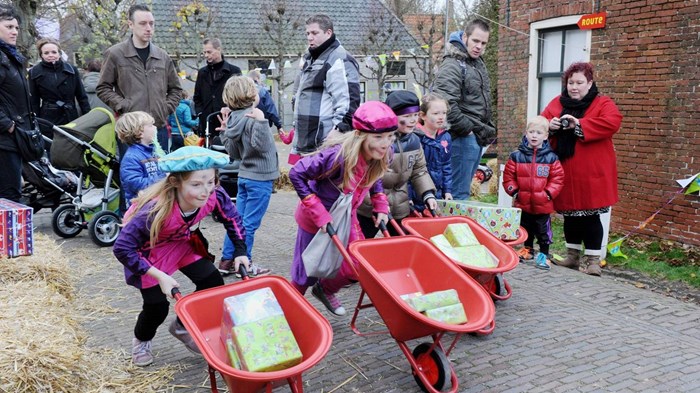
<point x="404" y="7"/>
<point x="429" y="31"/>
<point x="282" y="25"/>
<point x="27" y="10"/>
<point x="103" y="24"/>
<point x="383" y="35"/>
<point x="193" y="22"/>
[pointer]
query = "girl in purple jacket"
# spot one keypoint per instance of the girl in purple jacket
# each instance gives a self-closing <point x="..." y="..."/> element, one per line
<point x="161" y="235"/>
<point x="354" y="162"/>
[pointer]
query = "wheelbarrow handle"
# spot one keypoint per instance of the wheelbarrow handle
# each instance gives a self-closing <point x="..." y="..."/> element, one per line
<point x="382" y="227"/>
<point x="339" y="245"/>
<point x="433" y="212"/>
<point x="176" y="293"/>
<point x="330" y="230"/>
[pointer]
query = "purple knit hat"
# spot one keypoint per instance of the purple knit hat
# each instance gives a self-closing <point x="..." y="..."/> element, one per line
<point x="403" y="102"/>
<point x="375" y="117"/>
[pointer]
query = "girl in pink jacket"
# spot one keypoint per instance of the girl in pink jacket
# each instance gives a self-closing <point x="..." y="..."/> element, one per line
<point x="161" y="235"/>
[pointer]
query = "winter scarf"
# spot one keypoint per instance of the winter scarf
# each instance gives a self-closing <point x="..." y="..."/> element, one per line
<point x="316" y="52"/>
<point x="12" y="51"/>
<point x="566" y="141"/>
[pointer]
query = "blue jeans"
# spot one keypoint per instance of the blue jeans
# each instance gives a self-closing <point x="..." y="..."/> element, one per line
<point x="466" y="155"/>
<point x="163" y="138"/>
<point x="252" y="201"/>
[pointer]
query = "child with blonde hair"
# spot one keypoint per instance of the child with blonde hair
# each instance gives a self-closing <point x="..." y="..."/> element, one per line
<point x="348" y="164"/>
<point x="533" y="176"/>
<point x="158" y="238"/>
<point x="138" y="169"/>
<point x="248" y="139"/>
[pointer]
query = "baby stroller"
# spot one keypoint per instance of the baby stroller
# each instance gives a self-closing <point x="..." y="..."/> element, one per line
<point x="45" y="187"/>
<point x="89" y="145"/>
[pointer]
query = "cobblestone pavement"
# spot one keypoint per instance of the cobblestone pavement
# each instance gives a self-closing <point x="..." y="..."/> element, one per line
<point x="562" y="331"/>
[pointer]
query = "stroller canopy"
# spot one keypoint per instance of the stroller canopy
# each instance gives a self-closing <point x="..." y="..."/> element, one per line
<point x="95" y="129"/>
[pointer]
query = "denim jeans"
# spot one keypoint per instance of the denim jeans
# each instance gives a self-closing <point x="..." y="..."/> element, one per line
<point x="252" y="201"/>
<point x="163" y="138"/>
<point x="466" y="155"/>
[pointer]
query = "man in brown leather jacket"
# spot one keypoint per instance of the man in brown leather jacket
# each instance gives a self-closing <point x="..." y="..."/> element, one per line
<point x="137" y="75"/>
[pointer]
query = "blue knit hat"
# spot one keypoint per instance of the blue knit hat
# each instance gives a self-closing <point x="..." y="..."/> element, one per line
<point x="192" y="158"/>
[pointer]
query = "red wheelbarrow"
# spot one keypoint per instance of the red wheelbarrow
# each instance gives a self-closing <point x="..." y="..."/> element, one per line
<point x="389" y="268"/>
<point x="201" y="314"/>
<point x="491" y="279"/>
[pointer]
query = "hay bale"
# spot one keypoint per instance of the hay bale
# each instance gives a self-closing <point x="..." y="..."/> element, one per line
<point x="47" y="265"/>
<point x="44" y="346"/>
<point x="283" y="182"/>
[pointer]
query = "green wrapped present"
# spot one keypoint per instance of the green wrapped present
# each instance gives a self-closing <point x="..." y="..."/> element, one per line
<point x="410" y="295"/>
<point x="266" y="345"/>
<point x="248" y="307"/>
<point x="433" y="300"/>
<point x="478" y="256"/>
<point x="232" y="354"/>
<point x="453" y="314"/>
<point x="441" y="242"/>
<point x="503" y="222"/>
<point x="460" y="235"/>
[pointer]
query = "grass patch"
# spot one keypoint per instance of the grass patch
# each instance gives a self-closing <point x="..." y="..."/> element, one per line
<point x="657" y="258"/>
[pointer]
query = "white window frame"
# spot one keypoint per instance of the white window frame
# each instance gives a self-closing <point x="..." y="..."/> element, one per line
<point x="533" y="87"/>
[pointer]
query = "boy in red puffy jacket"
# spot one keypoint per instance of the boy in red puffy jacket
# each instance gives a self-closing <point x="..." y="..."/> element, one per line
<point x="534" y="177"/>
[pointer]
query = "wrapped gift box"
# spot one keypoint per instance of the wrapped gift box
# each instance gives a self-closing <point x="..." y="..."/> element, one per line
<point x="503" y="222"/>
<point x="478" y="256"/>
<point x="16" y="232"/>
<point x="248" y="307"/>
<point x="460" y="235"/>
<point x="453" y="314"/>
<point x="441" y="242"/>
<point x="267" y="344"/>
<point x="433" y="300"/>
<point x="232" y="354"/>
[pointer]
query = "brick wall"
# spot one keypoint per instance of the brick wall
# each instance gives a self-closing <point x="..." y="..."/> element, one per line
<point x="647" y="59"/>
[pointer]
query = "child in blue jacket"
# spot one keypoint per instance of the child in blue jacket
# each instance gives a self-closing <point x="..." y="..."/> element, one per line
<point x="437" y="146"/>
<point x="181" y="122"/>
<point x="138" y="168"/>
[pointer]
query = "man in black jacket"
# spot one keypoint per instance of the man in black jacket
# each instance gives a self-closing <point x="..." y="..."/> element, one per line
<point x="210" y="83"/>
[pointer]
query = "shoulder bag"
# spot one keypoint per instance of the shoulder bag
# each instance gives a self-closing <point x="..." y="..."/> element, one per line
<point x="190" y="140"/>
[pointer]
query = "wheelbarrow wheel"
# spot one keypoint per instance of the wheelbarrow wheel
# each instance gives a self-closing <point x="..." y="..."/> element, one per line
<point x="104" y="228"/>
<point x="499" y="285"/>
<point x="67" y="221"/>
<point x="433" y="364"/>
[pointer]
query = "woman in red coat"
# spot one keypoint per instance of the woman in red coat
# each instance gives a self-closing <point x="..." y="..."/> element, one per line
<point x="582" y="124"/>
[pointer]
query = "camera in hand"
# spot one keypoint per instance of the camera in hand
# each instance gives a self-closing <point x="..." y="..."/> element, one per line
<point x="564" y="123"/>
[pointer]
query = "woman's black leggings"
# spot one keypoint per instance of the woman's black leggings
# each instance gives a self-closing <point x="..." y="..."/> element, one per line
<point x="203" y="274"/>
<point x="585" y="229"/>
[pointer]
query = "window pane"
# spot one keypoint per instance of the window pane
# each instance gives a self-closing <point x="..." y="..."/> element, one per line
<point x="550" y="56"/>
<point x="549" y="88"/>
<point x="362" y="92"/>
<point x="396" y="68"/>
<point x="574" y="49"/>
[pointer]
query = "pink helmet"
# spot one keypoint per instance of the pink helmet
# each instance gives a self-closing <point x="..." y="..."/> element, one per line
<point x="375" y="117"/>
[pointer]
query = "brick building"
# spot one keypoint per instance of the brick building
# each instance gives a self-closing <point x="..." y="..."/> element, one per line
<point x="647" y="59"/>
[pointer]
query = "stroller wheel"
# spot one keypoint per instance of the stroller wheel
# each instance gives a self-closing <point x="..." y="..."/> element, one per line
<point x="67" y="221"/>
<point x="434" y="366"/>
<point x="104" y="228"/>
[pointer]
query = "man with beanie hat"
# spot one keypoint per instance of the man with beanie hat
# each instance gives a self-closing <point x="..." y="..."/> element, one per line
<point x="407" y="165"/>
<point x="327" y="88"/>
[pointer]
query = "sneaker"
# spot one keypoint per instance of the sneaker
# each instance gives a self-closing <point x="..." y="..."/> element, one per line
<point x="179" y="332"/>
<point x="541" y="261"/>
<point x="256" y="270"/>
<point x="525" y="254"/>
<point x="225" y="266"/>
<point x="329" y="300"/>
<point x="141" y="354"/>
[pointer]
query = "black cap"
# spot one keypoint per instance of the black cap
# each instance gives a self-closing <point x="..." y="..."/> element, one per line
<point x="403" y="102"/>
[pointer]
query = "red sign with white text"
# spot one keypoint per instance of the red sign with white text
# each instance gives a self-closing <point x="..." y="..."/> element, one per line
<point x="592" y="21"/>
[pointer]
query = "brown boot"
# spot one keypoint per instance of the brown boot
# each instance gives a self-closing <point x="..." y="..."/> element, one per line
<point x="591" y="265"/>
<point x="571" y="261"/>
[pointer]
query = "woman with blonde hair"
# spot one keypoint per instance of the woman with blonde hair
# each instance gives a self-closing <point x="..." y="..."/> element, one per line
<point x="349" y="164"/>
